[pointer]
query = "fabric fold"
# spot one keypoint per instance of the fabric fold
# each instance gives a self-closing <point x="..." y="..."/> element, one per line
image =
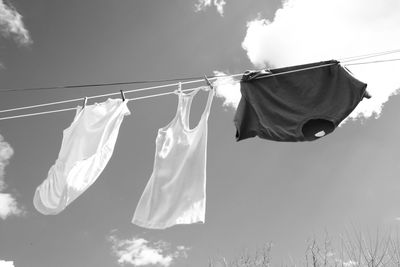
<point x="176" y="191"/>
<point x="87" y="146"/>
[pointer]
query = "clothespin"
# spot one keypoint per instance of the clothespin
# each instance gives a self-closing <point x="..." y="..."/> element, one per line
<point x="208" y="82"/>
<point x="84" y="102"/>
<point x="179" y="87"/>
<point x="122" y="95"/>
<point x="179" y="90"/>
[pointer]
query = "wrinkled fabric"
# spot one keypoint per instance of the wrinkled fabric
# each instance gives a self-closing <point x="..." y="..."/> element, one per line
<point x="86" y="148"/>
<point x="176" y="190"/>
<point x="298" y="103"/>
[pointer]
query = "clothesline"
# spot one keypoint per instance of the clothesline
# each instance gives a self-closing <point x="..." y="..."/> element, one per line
<point x="348" y="59"/>
<point x="111" y="84"/>
<point x="176" y="84"/>
<point x="371" y="62"/>
<point x="138" y="90"/>
<point x="111" y="94"/>
<point x="66" y="109"/>
<point x="98" y="84"/>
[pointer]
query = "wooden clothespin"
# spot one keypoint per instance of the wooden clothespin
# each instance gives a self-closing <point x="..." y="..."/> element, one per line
<point x="208" y="82"/>
<point x="122" y="95"/>
<point x="179" y="87"/>
<point x="84" y="102"/>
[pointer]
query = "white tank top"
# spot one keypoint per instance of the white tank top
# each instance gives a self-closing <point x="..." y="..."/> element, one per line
<point x="86" y="148"/>
<point x="176" y="190"/>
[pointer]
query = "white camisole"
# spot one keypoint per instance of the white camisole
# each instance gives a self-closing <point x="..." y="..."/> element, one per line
<point x="176" y="190"/>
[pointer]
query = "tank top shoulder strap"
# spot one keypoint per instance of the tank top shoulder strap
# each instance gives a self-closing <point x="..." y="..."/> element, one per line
<point x="186" y="104"/>
<point x="180" y="109"/>
<point x="206" y="112"/>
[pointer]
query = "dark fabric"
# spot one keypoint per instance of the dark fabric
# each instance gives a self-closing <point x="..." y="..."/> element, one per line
<point x="296" y="106"/>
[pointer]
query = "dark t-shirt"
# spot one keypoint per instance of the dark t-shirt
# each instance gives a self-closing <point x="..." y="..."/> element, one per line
<point x="303" y="103"/>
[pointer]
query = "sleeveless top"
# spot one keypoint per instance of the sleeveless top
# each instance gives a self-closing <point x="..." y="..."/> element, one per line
<point x="304" y="103"/>
<point x="86" y="148"/>
<point x="176" y="190"/>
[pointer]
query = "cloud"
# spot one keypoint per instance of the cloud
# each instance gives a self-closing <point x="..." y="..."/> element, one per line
<point x="6" y="263"/>
<point x="8" y="204"/>
<point x="227" y="88"/>
<point x="140" y="252"/>
<point x="6" y="153"/>
<point x="11" y="24"/>
<point x="304" y="31"/>
<point x="203" y="4"/>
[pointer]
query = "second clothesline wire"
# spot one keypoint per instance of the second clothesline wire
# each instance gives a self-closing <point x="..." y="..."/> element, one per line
<point x="175" y="84"/>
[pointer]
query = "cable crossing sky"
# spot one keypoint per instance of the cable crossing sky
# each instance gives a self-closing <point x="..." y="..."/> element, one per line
<point x="184" y="81"/>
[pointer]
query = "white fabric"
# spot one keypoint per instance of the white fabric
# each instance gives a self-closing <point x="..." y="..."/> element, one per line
<point x="86" y="148"/>
<point x="176" y="190"/>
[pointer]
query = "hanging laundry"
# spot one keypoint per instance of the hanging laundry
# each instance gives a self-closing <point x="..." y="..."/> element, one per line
<point x="303" y="103"/>
<point x="176" y="190"/>
<point x="86" y="148"/>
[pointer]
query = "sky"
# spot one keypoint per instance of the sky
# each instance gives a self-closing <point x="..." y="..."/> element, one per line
<point x="258" y="191"/>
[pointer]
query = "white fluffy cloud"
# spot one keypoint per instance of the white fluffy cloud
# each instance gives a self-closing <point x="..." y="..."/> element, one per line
<point x="140" y="252"/>
<point x="6" y="263"/>
<point x="228" y="89"/>
<point x="203" y="4"/>
<point x="11" y="24"/>
<point x="6" y="153"/>
<point x="8" y="204"/>
<point x="304" y="31"/>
